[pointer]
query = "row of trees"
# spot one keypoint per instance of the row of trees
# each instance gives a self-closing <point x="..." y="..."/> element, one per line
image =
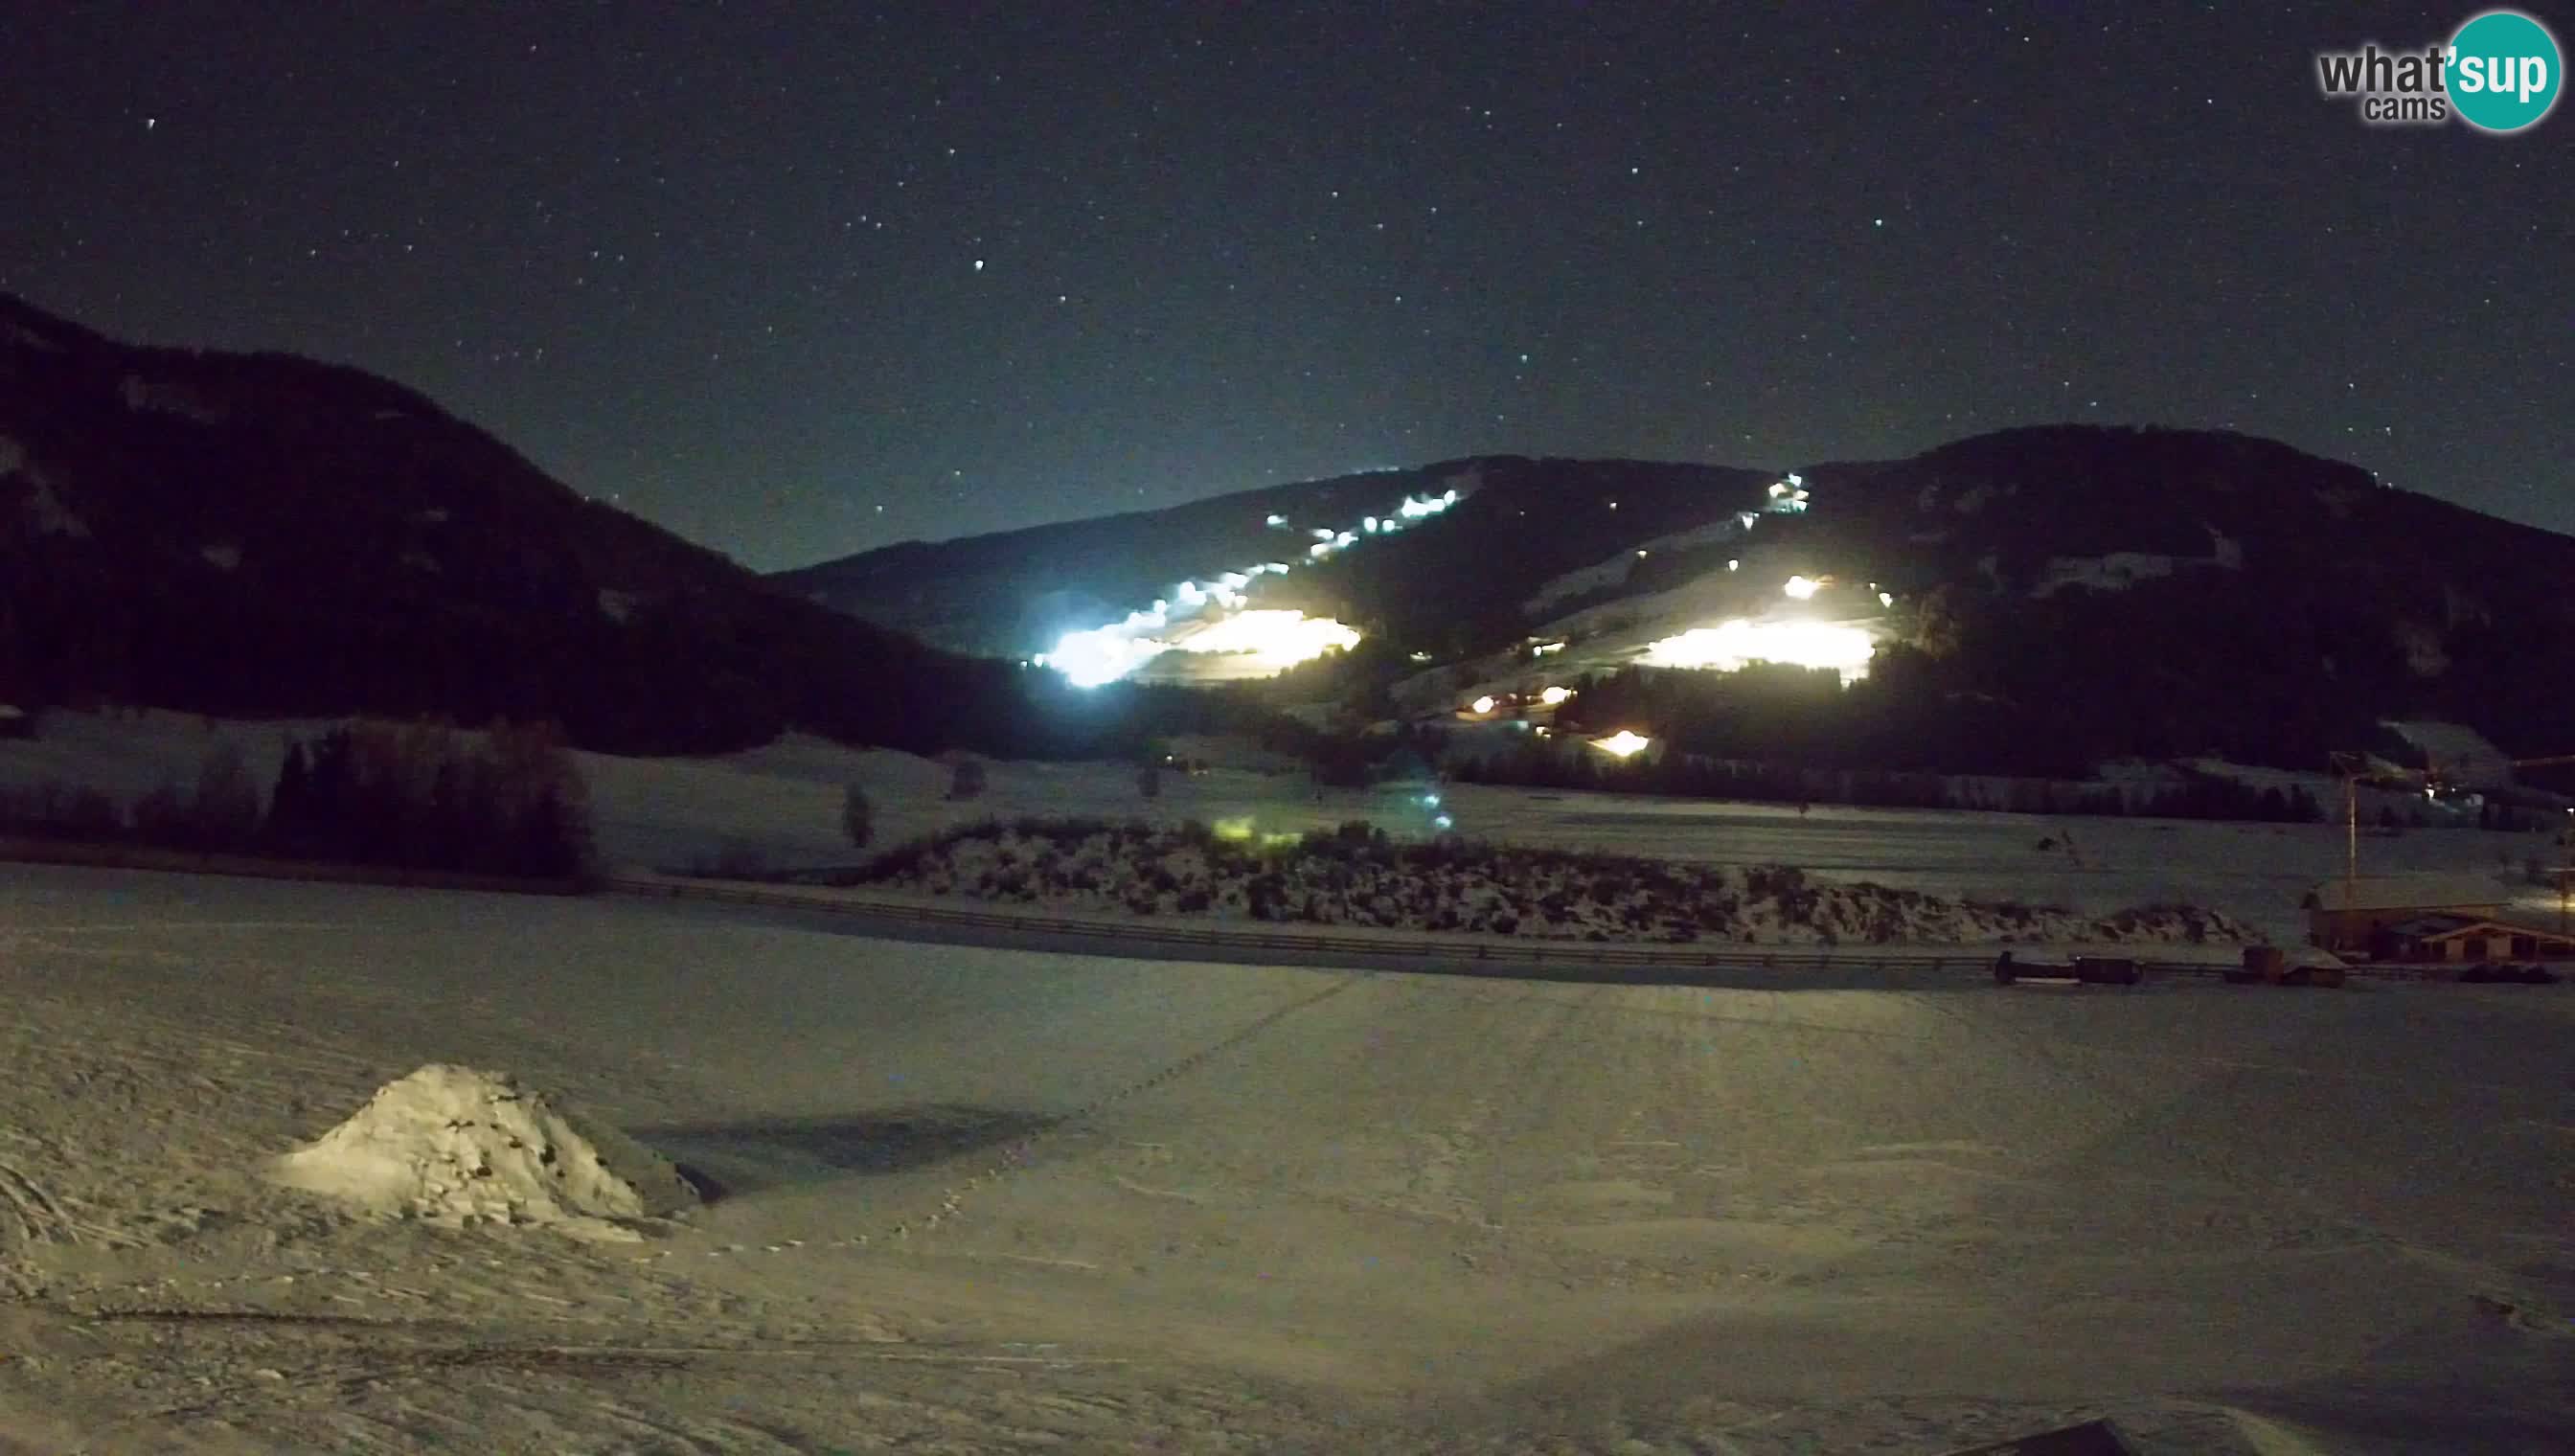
<point x="508" y="802"/>
<point x="689" y="672"/>
<point x="1691" y="775"/>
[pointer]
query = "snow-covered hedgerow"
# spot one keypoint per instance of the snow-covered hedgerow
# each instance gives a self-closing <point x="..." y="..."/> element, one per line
<point x="1357" y="875"/>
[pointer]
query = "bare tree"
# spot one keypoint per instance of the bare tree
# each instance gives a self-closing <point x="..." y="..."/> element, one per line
<point x="858" y="817"/>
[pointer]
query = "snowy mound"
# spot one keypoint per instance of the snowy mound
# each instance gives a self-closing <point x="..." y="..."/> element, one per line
<point x="450" y="1144"/>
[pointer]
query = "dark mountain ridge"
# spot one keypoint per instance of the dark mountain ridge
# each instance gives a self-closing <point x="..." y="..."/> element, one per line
<point x="264" y="534"/>
<point x="2107" y="591"/>
<point x="1013" y="592"/>
<point x="259" y="534"/>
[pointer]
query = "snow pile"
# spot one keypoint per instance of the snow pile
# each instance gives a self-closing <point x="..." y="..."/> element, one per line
<point x="450" y="1144"/>
<point x="1359" y="877"/>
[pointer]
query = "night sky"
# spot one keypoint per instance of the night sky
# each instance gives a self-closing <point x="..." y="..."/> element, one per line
<point x="802" y="278"/>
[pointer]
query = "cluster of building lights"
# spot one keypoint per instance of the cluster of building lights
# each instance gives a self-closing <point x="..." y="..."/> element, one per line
<point x="1554" y="695"/>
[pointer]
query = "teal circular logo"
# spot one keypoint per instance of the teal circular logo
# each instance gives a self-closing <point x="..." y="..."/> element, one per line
<point x="2504" y="71"/>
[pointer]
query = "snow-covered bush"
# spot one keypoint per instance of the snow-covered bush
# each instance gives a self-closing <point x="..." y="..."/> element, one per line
<point x="1356" y="875"/>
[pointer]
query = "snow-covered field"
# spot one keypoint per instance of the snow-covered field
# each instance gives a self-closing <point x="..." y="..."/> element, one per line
<point x="784" y="800"/>
<point x="986" y="1200"/>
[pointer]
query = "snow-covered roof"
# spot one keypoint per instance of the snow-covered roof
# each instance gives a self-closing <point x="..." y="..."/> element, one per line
<point x="2446" y="927"/>
<point x="2412" y="892"/>
<point x="2433" y="927"/>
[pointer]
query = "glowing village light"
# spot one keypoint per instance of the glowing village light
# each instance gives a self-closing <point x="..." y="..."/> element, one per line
<point x="1885" y="598"/>
<point x="1800" y="588"/>
<point x="1444" y="821"/>
<point x="1101" y="656"/>
<point x="1544" y="647"/>
<point x="1554" y="696"/>
<point x="1730" y="645"/>
<point x="1273" y="637"/>
<point x="1624" y="743"/>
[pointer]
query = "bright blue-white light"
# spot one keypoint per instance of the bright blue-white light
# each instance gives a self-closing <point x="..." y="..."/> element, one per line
<point x="1106" y="653"/>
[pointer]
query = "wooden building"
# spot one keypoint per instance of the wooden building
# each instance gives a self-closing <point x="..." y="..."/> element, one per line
<point x="2462" y="938"/>
<point x="2349" y="914"/>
